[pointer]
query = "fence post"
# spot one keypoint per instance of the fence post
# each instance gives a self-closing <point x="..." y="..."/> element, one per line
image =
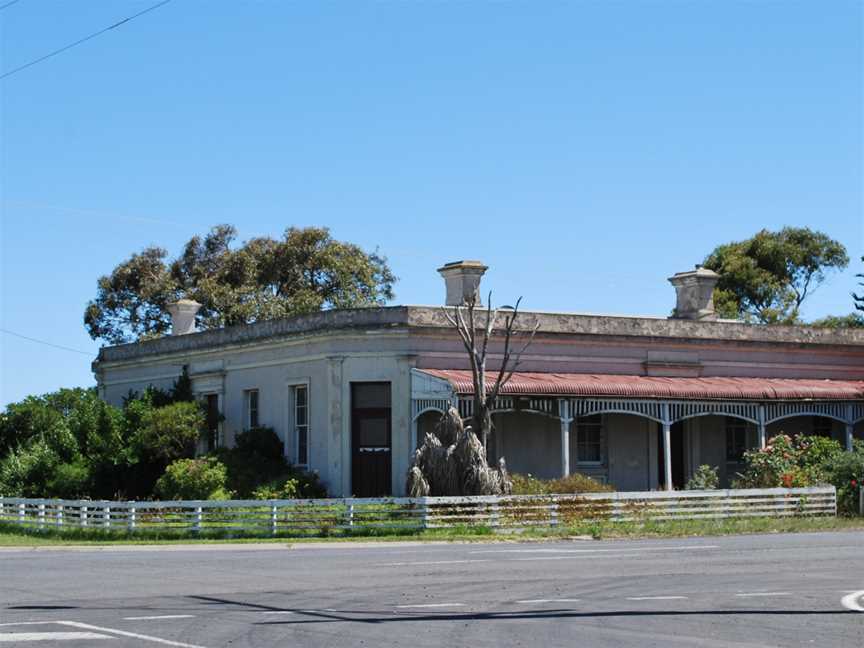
<point x="274" y="517"/>
<point x="41" y="515"/>
<point x="495" y="515"/>
<point x="22" y="512"/>
<point x="82" y="518"/>
<point x="425" y="517"/>
<point x="199" y="517"/>
<point x="554" y="512"/>
<point x="106" y="516"/>
<point x="351" y="513"/>
<point x="131" y="519"/>
<point x="60" y="515"/>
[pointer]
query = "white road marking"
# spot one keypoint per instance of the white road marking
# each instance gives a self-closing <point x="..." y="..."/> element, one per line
<point x="279" y="612"/>
<point x="16" y="637"/>
<point x="655" y="598"/>
<point x="124" y="633"/>
<point x="561" y="600"/>
<point x="164" y="616"/>
<point x="432" y="562"/>
<point x="432" y="605"/>
<point x="850" y="601"/>
<point x="581" y="551"/>
<point x="745" y="594"/>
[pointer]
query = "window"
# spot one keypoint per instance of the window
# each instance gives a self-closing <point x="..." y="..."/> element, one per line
<point x="736" y="439"/>
<point x="301" y="423"/>
<point x="589" y="439"/>
<point x="212" y="420"/>
<point x="251" y="408"/>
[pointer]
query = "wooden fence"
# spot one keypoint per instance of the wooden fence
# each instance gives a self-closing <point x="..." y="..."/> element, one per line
<point x="395" y="515"/>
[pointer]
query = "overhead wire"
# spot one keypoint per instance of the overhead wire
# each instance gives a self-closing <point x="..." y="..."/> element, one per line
<point x="50" y="344"/>
<point x="82" y="40"/>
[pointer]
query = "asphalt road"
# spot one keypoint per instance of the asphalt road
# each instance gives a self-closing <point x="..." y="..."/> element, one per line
<point x="778" y="590"/>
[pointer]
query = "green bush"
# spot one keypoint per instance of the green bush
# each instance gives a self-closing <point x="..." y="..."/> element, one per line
<point x="705" y="478"/>
<point x="575" y="483"/>
<point x="170" y="432"/>
<point x="70" y="481"/>
<point x="193" y="479"/>
<point x="846" y="472"/>
<point x="26" y="471"/>
<point x="256" y="460"/>
<point x="298" y="485"/>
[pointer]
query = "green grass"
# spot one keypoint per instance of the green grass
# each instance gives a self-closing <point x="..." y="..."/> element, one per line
<point x="11" y="536"/>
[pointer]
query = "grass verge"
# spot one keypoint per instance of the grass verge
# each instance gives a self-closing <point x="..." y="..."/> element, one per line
<point x="12" y="536"/>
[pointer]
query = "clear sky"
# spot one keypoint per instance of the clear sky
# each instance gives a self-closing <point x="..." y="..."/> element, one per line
<point x="584" y="150"/>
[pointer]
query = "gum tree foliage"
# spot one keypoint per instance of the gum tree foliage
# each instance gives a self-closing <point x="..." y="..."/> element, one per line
<point x="262" y="278"/>
<point x="854" y="319"/>
<point x="767" y="277"/>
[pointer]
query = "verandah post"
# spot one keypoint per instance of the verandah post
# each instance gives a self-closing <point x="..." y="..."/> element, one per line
<point x="667" y="447"/>
<point x="564" y="415"/>
<point x="762" y="436"/>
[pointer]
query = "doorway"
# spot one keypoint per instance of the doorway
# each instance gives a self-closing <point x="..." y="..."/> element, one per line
<point x="370" y="439"/>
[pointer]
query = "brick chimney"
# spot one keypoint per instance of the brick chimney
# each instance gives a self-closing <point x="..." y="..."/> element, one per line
<point x="463" y="281"/>
<point x="183" y="314"/>
<point x="695" y="291"/>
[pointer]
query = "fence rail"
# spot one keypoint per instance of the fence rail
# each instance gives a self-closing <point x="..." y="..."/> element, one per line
<point x="354" y="515"/>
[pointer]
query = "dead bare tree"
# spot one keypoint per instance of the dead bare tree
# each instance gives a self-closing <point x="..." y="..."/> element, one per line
<point x="467" y="324"/>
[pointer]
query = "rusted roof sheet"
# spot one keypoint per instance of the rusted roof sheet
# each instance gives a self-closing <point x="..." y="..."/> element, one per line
<point x="610" y="385"/>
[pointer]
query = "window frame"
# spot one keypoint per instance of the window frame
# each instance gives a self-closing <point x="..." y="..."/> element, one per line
<point x="600" y="426"/>
<point x="216" y="439"/>
<point x="295" y="428"/>
<point x="736" y="425"/>
<point x="247" y="408"/>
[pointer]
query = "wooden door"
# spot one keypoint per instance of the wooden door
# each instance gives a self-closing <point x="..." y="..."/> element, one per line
<point x="371" y="456"/>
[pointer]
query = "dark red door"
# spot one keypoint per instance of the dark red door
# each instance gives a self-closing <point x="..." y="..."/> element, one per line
<point x="371" y="456"/>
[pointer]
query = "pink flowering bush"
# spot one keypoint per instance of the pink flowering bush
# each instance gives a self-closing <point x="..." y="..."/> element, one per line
<point x="847" y="474"/>
<point x="789" y="462"/>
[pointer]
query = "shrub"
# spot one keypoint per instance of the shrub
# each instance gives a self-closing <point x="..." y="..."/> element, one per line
<point x="70" y="481"/>
<point x="256" y="459"/>
<point x="705" y="478"/>
<point x="788" y="462"/>
<point x="298" y="485"/>
<point x="170" y="432"/>
<point x="26" y="471"/>
<point x="575" y="483"/>
<point x="193" y="479"/>
<point x="846" y="472"/>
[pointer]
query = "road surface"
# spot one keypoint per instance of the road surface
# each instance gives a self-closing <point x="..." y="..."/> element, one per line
<point x="771" y="590"/>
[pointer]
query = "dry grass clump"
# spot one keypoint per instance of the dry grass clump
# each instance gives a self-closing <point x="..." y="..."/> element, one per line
<point x="575" y="483"/>
<point x="452" y="461"/>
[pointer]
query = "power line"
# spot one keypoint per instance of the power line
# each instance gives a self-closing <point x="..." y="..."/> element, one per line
<point x="8" y="4"/>
<point x="83" y="40"/>
<point x="56" y="346"/>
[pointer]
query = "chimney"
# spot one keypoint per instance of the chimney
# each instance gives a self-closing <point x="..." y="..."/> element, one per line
<point x="695" y="290"/>
<point x="463" y="281"/>
<point x="183" y="316"/>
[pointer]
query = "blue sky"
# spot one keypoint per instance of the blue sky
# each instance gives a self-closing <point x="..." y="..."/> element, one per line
<point x="584" y="150"/>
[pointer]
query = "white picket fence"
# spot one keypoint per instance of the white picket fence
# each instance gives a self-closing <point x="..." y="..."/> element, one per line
<point x="393" y="515"/>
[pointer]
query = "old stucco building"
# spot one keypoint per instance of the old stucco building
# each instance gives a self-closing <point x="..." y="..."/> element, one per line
<point x="638" y="402"/>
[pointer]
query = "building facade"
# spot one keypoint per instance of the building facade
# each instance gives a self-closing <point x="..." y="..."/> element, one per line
<point x="634" y="401"/>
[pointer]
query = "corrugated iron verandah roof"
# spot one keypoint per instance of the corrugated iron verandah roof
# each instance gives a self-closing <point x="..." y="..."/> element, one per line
<point x="630" y="386"/>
